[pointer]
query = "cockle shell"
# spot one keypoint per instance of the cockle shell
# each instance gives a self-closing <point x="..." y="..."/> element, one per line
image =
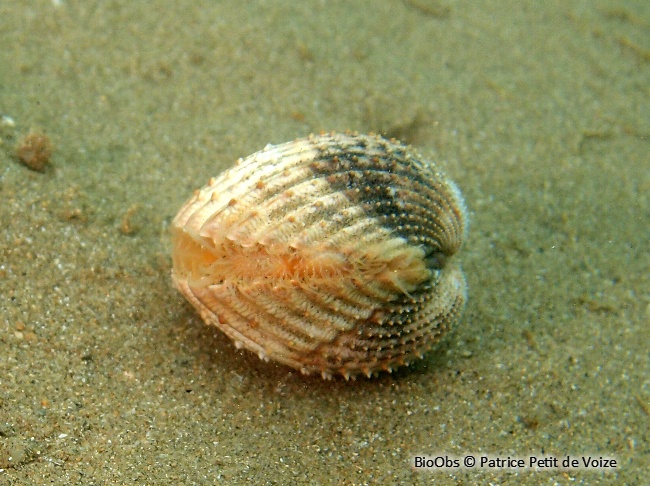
<point x="330" y="254"/>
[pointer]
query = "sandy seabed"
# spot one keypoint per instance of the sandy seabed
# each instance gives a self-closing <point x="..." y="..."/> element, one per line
<point x="538" y="110"/>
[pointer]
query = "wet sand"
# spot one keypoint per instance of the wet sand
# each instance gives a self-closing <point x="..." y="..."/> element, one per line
<point x="540" y="113"/>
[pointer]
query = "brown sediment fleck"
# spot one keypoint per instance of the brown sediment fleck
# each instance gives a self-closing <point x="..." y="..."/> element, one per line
<point x="641" y="53"/>
<point x="35" y="150"/>
<point x="128" y="226"/>
<point x="430" y="8"/>
<point x="645" y="405"/>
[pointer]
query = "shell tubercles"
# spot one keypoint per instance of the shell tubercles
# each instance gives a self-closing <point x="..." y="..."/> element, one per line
<point x="331" y="254"/>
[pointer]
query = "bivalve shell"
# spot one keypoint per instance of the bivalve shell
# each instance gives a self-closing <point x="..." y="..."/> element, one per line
<point x="330" y="254"/>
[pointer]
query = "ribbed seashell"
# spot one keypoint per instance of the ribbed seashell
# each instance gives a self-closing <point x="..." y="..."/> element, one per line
<point x="330" y="254"/>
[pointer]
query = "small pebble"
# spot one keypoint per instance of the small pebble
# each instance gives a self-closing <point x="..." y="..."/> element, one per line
<point x="34" y="150"/>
